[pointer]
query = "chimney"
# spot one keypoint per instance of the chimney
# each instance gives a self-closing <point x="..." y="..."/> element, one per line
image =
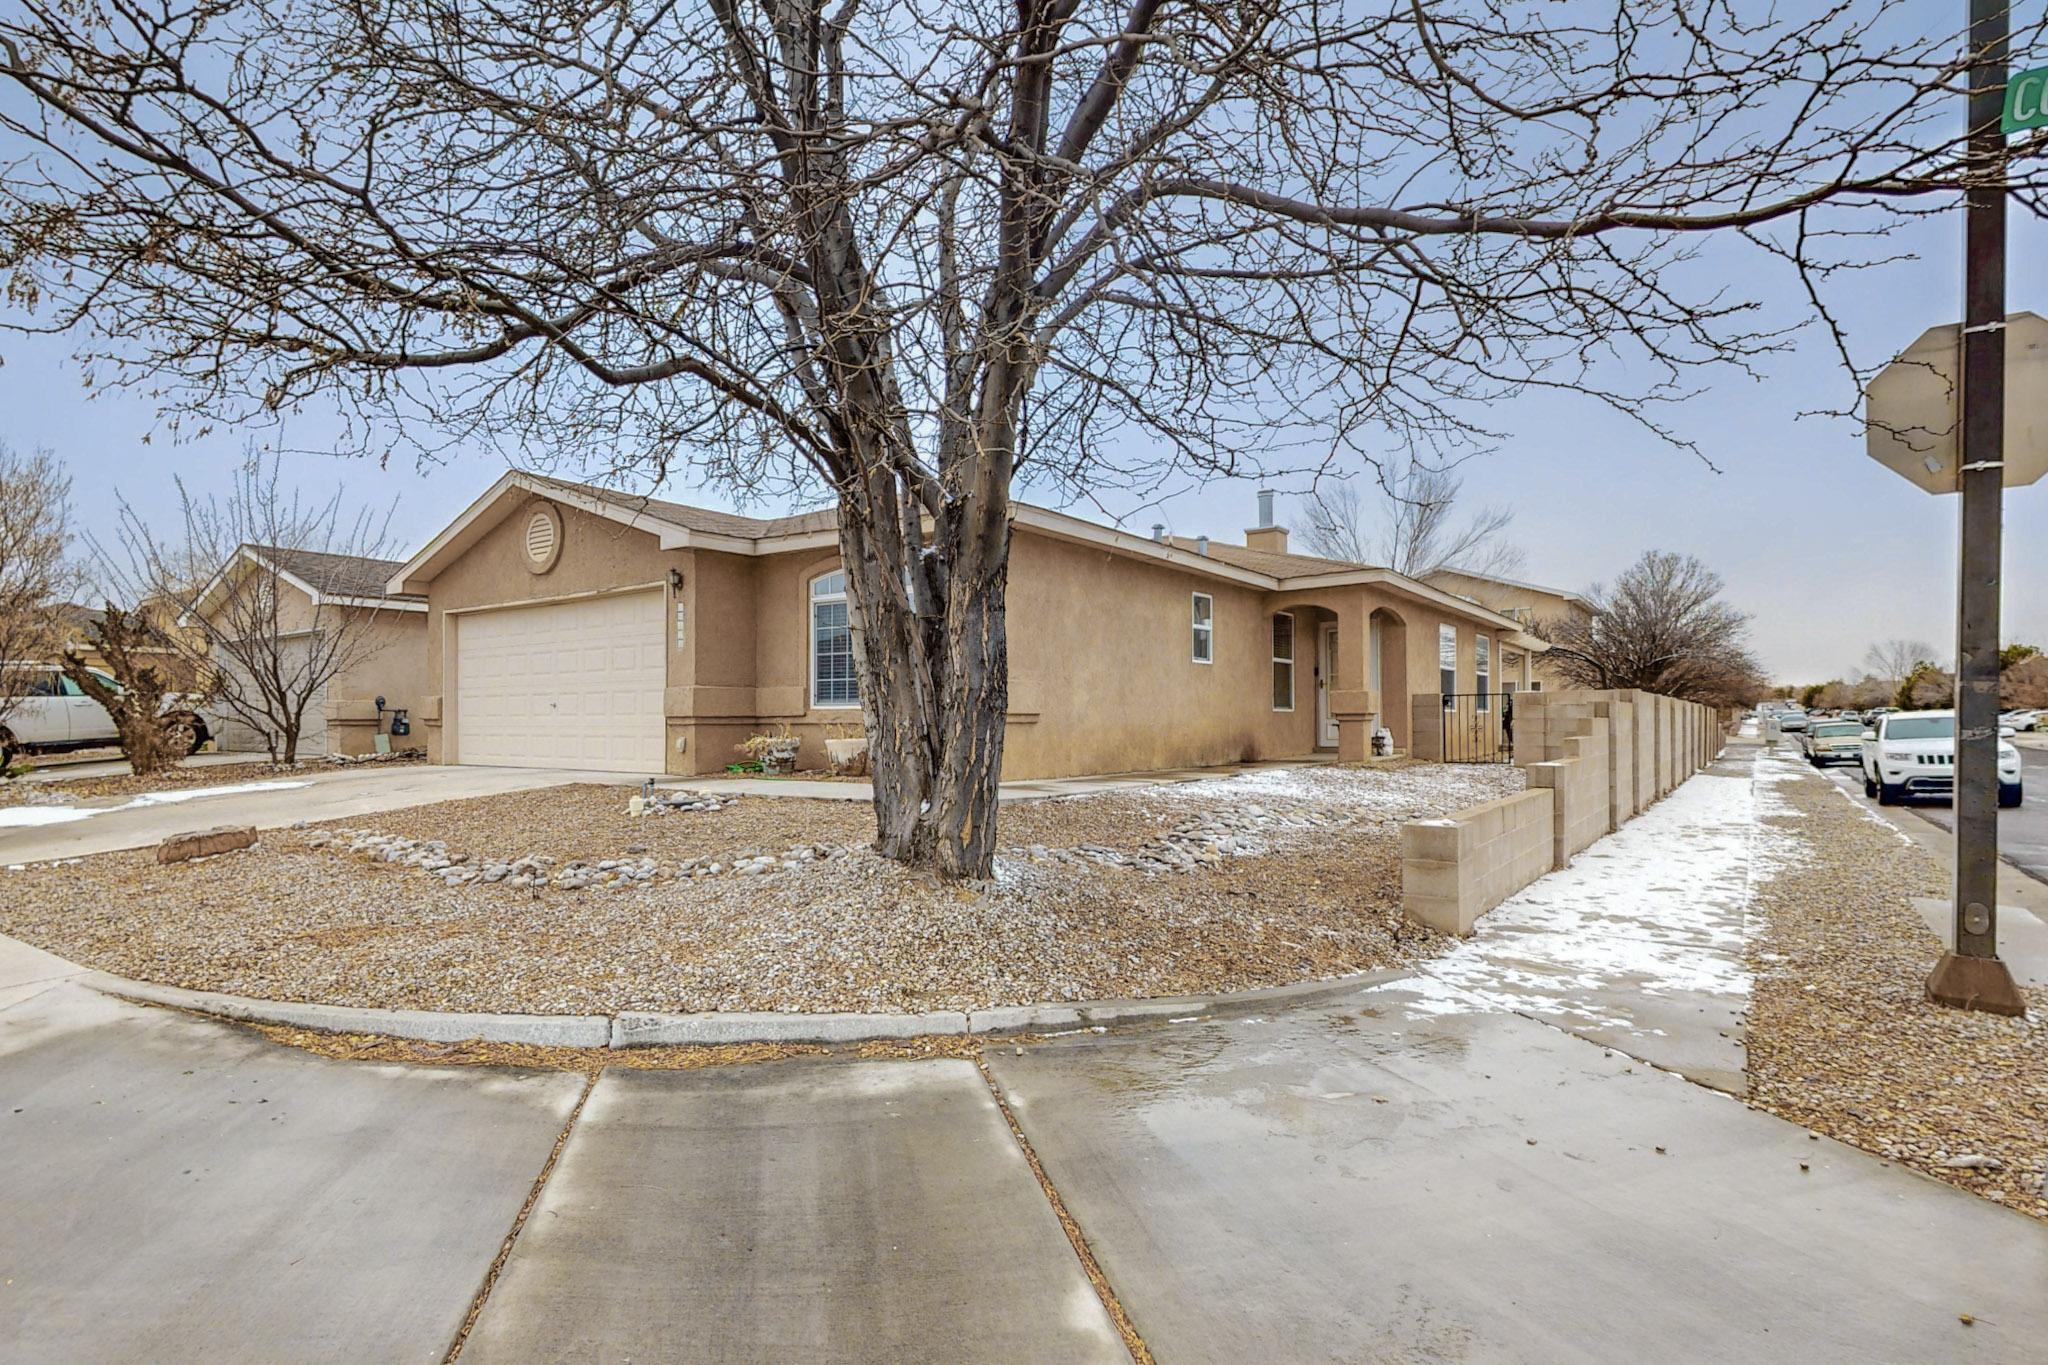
<point x="1159" y="532"/>
<point x="1266" y="536"/>
<point x="1201" y="545"/>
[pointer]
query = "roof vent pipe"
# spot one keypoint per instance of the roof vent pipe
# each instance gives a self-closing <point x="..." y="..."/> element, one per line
<point x="1201" y="545"/>
<point x="1265" y="508"/>
<point x="1159" y="531"/>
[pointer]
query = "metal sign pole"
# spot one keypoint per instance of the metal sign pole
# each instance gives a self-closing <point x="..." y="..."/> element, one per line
<point x="1972" y="976"/>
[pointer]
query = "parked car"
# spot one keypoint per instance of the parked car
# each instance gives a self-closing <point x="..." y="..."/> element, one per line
<point x="1832" y="741"/>
<point x="1913" y="753"/>
<point x="51" y="714"/>
<point x="2023" y="719"/>
<point x="1792" y="720"/>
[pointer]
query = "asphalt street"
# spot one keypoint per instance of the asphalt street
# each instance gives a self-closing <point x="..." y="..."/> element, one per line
<point x="2022" y="831"/>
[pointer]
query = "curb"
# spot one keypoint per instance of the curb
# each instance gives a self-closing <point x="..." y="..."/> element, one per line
<point x="650" y="1029"/>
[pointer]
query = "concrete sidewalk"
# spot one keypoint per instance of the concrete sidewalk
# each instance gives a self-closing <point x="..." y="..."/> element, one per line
<point x="275" y="802"/>
<point x="1637" y="944"/>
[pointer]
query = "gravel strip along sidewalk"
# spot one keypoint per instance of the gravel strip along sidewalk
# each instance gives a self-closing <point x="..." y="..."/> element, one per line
<point x="1084" y="905"/>
<point x="1841" y="1036"/>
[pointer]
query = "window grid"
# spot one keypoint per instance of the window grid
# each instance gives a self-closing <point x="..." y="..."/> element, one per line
<point x="1483" y="667"/>
<point x="1283" y="662"/>
<point x="834" y="681"/>
<point x="1447" y="662"/>
<point x="1204" y="609"/>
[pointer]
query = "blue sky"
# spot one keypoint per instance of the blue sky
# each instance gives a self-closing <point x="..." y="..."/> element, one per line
<point x="1826" y="549"/>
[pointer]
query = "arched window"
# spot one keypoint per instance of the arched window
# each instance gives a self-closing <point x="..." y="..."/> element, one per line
<point x="833" y="681"/>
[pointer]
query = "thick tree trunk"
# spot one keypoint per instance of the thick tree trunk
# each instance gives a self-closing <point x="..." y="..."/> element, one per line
<point x="936" y="681"/>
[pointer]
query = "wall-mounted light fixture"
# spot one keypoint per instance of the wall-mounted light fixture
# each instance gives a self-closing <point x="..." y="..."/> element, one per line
<point x="675" y="579"/>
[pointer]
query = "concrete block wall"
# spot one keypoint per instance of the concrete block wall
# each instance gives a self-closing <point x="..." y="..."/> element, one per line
<point x="1580" y="783"/>
<point x="1645" y="750"/>
<point x="1621" y="763"/>
<point x="1454" y="870"/>
<point x="1595" y="760"/>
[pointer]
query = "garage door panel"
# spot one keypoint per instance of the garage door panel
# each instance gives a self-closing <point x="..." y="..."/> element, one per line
<point x="563" y="684"/>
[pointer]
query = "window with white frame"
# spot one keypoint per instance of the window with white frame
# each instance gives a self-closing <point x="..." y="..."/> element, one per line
<point x="833" y="680"/>
<point x="1482" y="668"/>
<point x="1205" y="628"/>
<point x="1447" y="662"/>
<point x="1283" y="662"/>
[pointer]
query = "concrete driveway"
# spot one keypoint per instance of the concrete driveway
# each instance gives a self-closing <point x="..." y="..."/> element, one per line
<point x="272" y="802"/>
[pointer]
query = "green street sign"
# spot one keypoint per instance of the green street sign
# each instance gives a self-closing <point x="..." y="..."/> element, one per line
<point x="2026" y="101"/>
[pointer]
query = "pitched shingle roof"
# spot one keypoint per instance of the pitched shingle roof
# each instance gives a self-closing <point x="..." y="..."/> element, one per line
<point x="1268" y="562"/>
<point x="339" y="575"/>
<point x="702" y="518"/>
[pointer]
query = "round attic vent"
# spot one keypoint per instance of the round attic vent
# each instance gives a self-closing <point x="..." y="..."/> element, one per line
<point x="543" y="538"/>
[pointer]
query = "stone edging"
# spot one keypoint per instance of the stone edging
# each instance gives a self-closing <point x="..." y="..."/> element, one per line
<point x="646" y="1029"/>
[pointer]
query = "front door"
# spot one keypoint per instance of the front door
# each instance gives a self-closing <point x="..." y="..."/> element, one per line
<point x="1326" y="678"/>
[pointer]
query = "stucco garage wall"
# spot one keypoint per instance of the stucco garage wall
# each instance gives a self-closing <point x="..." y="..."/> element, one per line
<point x="597" y="556"/>
<point x="393" y="665"/>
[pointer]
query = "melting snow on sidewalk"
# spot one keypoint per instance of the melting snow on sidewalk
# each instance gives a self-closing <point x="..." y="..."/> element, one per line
<point x="18" y="817"/>
<point x="1654" y="908"/>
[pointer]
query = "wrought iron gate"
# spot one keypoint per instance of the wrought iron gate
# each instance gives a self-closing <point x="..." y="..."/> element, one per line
<point x="1479" y="727"/>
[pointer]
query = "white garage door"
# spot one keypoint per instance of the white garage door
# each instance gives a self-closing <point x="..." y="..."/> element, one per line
<point x="565" y="685"/>
<point x="234" y="735"/>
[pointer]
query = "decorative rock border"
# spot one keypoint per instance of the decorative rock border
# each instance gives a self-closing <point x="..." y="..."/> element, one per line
<point x="649" y="1029"/>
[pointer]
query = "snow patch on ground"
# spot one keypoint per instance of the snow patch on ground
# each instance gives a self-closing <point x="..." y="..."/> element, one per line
<point x="17" y="817"/>
<point x="21" y="817"/>
<point x="1653" y="909"/>
<point x="1425" y="789"/>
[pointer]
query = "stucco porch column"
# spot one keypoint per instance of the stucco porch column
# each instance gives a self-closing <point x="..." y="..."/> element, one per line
<point x="1352" y="704"/>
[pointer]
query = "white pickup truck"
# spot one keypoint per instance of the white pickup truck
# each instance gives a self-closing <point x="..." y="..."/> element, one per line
<point x="50" y="713"/>
<point x="1913" y="753"/>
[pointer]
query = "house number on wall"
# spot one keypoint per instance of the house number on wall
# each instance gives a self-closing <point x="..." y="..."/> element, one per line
<point x="679" y="625"/>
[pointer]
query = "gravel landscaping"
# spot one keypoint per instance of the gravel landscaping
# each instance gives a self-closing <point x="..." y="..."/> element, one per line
<point x="1841" y="1037"/>
<point x="558" y="901"/>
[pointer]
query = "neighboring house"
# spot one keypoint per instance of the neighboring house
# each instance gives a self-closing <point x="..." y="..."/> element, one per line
<point x="317" y="592"/>
<point x="176" y="659"/>
<point x="1527" y="603"/>
<point x="572" y="626"/>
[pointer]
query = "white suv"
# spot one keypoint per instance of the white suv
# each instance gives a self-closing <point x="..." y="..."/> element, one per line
<point x="51" y="713"/>
<point x="1913" y="753"/>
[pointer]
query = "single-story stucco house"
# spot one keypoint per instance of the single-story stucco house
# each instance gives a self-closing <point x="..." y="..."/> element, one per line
<point x="318" y="592"/>
<point x="1526" y="603"/>
<point x="574" y="626"/>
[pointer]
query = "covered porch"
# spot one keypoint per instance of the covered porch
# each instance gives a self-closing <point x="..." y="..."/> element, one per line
<point x="1380" y="661"/>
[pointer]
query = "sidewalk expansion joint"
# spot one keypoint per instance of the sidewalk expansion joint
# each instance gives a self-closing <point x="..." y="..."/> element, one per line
<point x="540" y="1183"/>
<point x="1141" y="1354"/>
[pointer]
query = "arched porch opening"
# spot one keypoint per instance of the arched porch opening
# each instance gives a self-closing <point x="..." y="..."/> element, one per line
<point x="1387" y="671"/>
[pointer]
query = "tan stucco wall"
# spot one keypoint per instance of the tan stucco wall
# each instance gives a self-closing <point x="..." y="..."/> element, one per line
<point x="1511" y="598"/>
<point x="392" y="665"/>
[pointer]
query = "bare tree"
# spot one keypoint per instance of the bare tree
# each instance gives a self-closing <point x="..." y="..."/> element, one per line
<point x="35" y="575"/>
<point x="1662" y="627"/>
<point x="1893" y="661"/>
<point x="278" y="595"/>
<point x="911" y="253"/>
<point x="1415" y="529"/>
<point x="150" y="740"/>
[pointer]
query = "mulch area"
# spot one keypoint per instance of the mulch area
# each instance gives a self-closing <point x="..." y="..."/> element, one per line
<point x="855" y="932"/>
<point x="1841" y="1036"/>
